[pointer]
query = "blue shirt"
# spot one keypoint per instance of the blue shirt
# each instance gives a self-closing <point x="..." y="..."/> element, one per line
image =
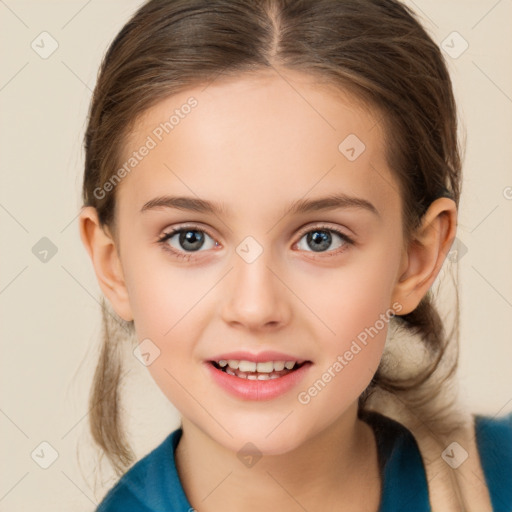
<point x="152" y="484"/>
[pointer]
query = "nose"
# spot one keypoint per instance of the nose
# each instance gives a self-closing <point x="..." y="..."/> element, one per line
<point x="256" y="296"/>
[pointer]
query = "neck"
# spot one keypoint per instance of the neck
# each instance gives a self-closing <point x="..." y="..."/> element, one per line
<point x="335" y="470"/>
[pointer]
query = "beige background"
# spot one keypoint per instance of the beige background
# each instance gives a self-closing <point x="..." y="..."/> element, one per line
<point x="50" y="315"/>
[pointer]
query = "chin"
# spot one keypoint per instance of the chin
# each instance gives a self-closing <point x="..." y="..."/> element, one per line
<point x="262" y="438"/>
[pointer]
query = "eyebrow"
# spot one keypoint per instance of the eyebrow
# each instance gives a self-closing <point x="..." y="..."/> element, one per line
<point x="301" y="206"/>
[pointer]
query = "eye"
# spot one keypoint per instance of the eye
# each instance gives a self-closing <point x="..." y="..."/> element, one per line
<point x="321" y="238"/>
<point x="186" y="240"/>
<point x="190" y="239"/>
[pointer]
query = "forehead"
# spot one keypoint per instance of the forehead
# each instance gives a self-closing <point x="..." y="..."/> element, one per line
<point x="258" y="141"/>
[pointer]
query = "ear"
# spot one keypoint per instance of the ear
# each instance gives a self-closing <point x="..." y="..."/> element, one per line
<point x="105" y="258"/>
<point x="423" y="258"/>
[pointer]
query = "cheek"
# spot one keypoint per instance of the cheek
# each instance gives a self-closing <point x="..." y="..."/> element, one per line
<point x="353" y="304"/>
<point x="166" y="304"/>
<point x="348" y="298"/>
<point x="162" y="295"/>
<point x="164" y="315"/>
<point x="355" y="308"/>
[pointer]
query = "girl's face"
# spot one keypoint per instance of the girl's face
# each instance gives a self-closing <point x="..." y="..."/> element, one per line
<point x="260" y="274"/>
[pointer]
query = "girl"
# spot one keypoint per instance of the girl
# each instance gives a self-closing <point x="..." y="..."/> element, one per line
<point x="270" y="191"/>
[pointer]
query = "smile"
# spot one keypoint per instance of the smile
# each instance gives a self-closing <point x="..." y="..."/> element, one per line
<point x="251" y="370"/>
<point x="264" y="380"/>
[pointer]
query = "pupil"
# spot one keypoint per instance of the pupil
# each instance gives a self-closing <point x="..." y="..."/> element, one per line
<point x="323" y="241"/>
<point x="191" y="237"/>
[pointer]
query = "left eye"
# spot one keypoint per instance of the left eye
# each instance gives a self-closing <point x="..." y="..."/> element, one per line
<point x="321" y="238"/>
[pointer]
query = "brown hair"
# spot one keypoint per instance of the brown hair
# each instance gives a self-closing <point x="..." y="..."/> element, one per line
<point x="375" y="49"/>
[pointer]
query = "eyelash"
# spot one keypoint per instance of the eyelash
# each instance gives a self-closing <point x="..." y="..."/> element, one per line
<point x="187" y="256"/>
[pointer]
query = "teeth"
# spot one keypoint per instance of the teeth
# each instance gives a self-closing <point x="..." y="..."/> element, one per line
<point x="246" y="366"/>
<point x="267" y="367"/>
<point x="262" y="367"/>
<point x="262" y="376"/>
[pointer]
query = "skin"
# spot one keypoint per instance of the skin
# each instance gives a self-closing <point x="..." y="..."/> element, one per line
<point x="257" y="143"/>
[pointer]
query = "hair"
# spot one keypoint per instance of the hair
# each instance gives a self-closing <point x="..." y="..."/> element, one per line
<point x="377" y="50"/>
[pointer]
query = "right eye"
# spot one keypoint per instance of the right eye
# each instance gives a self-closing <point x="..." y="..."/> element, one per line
<point x="190" y="239"/>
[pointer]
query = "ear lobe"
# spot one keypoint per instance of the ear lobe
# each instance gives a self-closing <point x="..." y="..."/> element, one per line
<point x="426" y="253"/>
<point x="107" y="266"/>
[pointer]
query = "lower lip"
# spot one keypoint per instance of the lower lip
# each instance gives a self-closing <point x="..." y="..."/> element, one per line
<point x="258" y="389"/>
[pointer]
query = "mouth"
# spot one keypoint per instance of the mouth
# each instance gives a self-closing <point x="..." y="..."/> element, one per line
<point x="249" y="370"/>
<point x="257" y="380"/>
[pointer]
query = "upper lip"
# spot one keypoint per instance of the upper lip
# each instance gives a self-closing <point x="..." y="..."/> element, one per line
<point x="260" y="357"/>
